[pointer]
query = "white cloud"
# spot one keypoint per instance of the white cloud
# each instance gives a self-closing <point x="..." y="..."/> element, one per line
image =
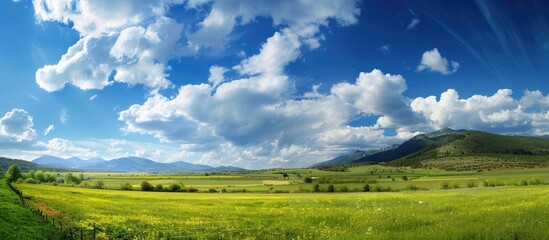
<point x="17" y="126"/>
<point x="48" y="130"/>
<point x="217" y="75"/>
<point x="64" y="116"/>
<point x="225" y="15"/>
<point x="413" y="24"/>
<point x="93" y="97"/>
<point x="33" y="97"/>
<point x="434" y="62"/>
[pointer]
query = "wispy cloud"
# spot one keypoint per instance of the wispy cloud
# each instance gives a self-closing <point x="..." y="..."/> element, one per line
<point x="64" y="116"/>
<point x="413" y="24"/>
<point x="33" y="97"/>
<point x="48" y="130"/>
<point x="93" y="97"/>
<point x="385" y="49"/>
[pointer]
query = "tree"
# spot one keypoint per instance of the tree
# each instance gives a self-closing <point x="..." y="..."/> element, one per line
<point x="99" y="184"/>
<point x="13" y="173"/>
<point x="366" y="188"/>
<point x="81" y="176"/>
<point x="331" y="188"/>
<point x="316" y="188"/>
<point x="146" y="186"/>
<point x="40" y="176"/>
<point x="31" y="174"/>
<point x="307" y="180"/>
<point x="158" y="187"/>
<point x="404" y="178"/>
<point x="70" y="178"/>
<point x="175" y="187"/>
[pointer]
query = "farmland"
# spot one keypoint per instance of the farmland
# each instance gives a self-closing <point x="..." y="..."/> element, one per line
<point x="506" y="211"/>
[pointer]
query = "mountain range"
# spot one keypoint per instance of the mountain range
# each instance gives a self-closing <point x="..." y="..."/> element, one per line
<point x="128" y="164"/>
<point x="456" y="149"/>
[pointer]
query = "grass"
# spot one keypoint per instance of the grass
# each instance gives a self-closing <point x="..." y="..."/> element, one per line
<point x="477" y="213"/>
<point x="18" y="222"/>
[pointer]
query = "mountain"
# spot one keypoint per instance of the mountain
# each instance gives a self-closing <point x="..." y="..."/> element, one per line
<point x="26" y="166"/>
<point x="192" y="167"/>
<point x="410" y="146"/>
<point x="128" y="164"/>
<point x="349" y="158"/>
<point x="54" y="161"/>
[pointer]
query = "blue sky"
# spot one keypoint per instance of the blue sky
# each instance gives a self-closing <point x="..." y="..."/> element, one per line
<point x="264" y="83"/>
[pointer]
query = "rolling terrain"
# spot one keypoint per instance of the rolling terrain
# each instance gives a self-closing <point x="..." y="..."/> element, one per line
<point x="458" y="150"/>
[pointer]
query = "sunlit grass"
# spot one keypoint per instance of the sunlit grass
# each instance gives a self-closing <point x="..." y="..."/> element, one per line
<point x="477" y="213"/>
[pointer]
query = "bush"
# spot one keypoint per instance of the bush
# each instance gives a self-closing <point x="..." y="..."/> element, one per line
<point x="146" y="186"/>
<point x="30" y="180"/>
<point x="444" y="185"/>
<point x="455" y="185"/>
<point x="175" y="187"/>
<point x="534" y="181"/>
<point x="404" y="178"/>
<point x="307" y="180"/>
<point x="126" y="186"/>
<point x="99" y="184"/>
<point x="158" y="187"/>
<point x="331" y="188"/>
<point x="223" y="190"/>
<point x="366" y="188"/>
<point x="194" y="189"/>
<point x="411" y="187"/>
<point x="471" y="183"/>
<point x="212" y="190"/>
<point x="316" y="188"/>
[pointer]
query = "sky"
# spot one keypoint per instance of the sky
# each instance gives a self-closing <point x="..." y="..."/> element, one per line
<point x="263" y="84"/>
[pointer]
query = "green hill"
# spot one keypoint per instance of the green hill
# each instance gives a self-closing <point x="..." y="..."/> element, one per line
<point x="26" y="166"/>
<point x="413" y="145"/>
<point x="476" y="150"/>
<point x="18" y="222"/>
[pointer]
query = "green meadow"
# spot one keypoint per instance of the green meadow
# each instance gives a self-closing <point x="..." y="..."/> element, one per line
<point x="498" y="204"/>
<point x="18" y="222"/>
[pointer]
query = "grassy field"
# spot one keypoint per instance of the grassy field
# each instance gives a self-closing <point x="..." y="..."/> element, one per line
<point x="18" y="222"/>
<point x="477" y="213"/>
<point x="354" y="179"/>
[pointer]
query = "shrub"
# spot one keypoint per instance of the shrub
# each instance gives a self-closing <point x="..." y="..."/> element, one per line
<point x="534" y="181"/>
<point x="39" y="176"/>
<point x="20" y="180"/>
<point x="126" y="186"/>
<point x="307" y="180"/>
<point x="212" y="190"/>
<point x="193" y="189"/>
<point x="146" y="186"/>
<point x="175" y="187"/>
<point x="404" y="178"/>
<point x="99" y="184"/>
<point x="30" y="180"/>
<point x="223" y="190"/>
<point x="455" y="185"/>
<point x="411" y="187"/>
<point x="316" y="188"/>
<point x="331" y="188"/>
<point x="523" y="182"/>
<point x="366" y="188"/>
<point x="444" y="185"/>
<point x="471" y="183"/>
<point x="158" y="187"/>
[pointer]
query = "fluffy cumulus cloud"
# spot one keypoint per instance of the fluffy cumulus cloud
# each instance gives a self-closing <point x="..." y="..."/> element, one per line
<point x="434" y="62"/>
<point x="16" y="126"/>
